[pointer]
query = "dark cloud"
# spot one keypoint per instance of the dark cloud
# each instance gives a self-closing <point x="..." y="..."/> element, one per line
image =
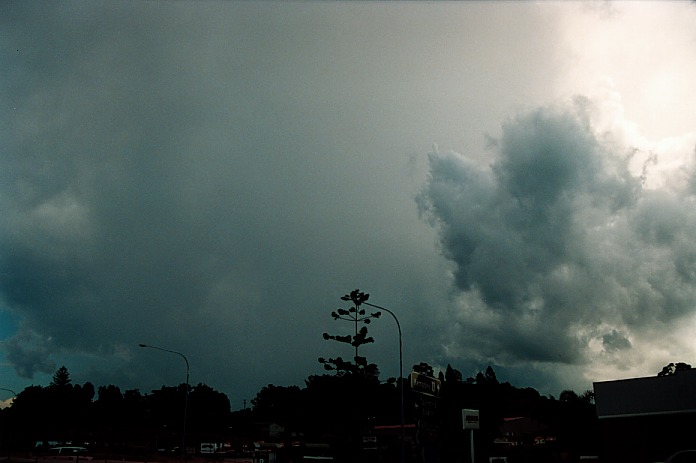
<point x="211" y="178"/>
<point x="178" y="179"/>
<point x="557" y="243"/>
<point x="29" y="354"/>
<point x="615" y="341"/>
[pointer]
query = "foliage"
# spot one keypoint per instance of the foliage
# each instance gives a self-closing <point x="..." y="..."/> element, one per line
<point x="674" y="368"/>
<point x="452" y="375"/>
<point x="357" y="316"/>
<point x="278" y="403"/>
<point x="65" y="412"/>
<point x="329" y="408"/>
<point x="572" y="417"/>
<point x="61" y="378"/>
<point x="208" y="409"/>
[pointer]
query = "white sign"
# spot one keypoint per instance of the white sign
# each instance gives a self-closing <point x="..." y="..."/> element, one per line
<point x="470" y="419"/>
<point x="425" y="384"/>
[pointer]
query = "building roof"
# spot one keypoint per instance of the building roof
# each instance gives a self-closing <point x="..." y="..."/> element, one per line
<point x="522" y="425"/>
<point x="655" y="395"/>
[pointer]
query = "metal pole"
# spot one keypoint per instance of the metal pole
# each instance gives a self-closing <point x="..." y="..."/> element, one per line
<point x="401" y="377"/>
<point x="471" y="433"/>
<point x="183" y="433"/>
<point x="8" y="390"/>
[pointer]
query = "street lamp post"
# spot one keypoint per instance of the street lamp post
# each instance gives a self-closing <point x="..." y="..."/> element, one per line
<point x="358" y="298"/>
<point x="401" y="375"/>
<point x="183" y="433"/>
<point x="9" y="390"/>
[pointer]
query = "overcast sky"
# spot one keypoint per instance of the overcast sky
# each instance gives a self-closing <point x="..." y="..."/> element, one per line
<point x="515" y="180"/>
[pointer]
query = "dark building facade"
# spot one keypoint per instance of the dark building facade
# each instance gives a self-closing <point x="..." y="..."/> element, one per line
<point x="645" y="420"/>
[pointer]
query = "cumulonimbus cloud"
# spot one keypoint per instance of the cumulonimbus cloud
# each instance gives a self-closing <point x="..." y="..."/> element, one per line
<point x="561" y="252"/>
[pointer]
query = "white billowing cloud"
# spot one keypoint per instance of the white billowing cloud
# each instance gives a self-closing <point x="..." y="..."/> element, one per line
<point x="6" y="403"/>
<point x="643" y="48"/>
<point x="567" y="250"/>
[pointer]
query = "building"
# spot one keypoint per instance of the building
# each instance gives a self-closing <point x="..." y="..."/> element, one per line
<point x="644" y="420"/>
<point x="523" y="431"/>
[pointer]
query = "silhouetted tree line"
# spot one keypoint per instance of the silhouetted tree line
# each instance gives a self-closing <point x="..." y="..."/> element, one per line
<point x="350" y="406"/>
<point x="109" y="419"/>
<point x="571" y="418"/>
<point x="338" y="409"/>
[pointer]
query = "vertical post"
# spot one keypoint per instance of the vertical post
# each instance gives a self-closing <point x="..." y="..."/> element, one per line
<point x="8" y="390"/>
<point x="470" y="421"/>
<point x="183" y="433"/>
<point x="401" y="377"/>
<point x="471" y="434"/>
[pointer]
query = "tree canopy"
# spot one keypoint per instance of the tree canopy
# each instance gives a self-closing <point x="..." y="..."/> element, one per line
<point x="673" y="368"/>
<point x="357" y="316"/>
<point x="61" y="378"/>
<point x="340" y="408"/>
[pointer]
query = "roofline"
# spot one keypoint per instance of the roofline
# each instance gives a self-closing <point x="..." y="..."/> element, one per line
<point x="636" y="415"/>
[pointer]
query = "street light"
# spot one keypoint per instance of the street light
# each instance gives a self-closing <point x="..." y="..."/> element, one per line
<point x="183" y="433"/>
<point x="9" y="390"/>
<point x="362" y="299"/>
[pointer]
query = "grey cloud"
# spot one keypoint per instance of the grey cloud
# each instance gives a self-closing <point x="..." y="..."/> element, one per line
<point x="212" y="177"/>
<point x="29" y="354"/>
<point x="556" y="238"/>
<point x="615" y="341"/>
<point x="192" y="179"/>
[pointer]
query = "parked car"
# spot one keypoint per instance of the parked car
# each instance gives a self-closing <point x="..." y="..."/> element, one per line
<point x="68" y="453"/>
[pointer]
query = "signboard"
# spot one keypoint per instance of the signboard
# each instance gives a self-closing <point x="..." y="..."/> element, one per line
<point x="425" y="384"/>
<point x="426" y="398"/>
<point x="369" y="443"/>
<point x="470" y="419"/>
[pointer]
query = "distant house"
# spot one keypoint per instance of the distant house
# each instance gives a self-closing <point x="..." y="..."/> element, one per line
<point x="647" y="419"/>
<point x="270" y="430"/>
<point x="523" y="431"/>
<point x="391" y="434"/>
